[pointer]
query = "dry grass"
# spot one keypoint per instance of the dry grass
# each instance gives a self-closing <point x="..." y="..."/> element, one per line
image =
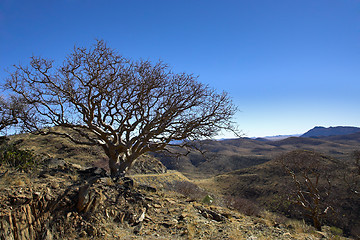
<point x="159" y="180"/>
<point x="300" y="226"/>
<point x="14" y="178"/>
<point x="57" y="147"/>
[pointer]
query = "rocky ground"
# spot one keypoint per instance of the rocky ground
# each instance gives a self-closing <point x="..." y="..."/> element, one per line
<point x="65" y="201"/>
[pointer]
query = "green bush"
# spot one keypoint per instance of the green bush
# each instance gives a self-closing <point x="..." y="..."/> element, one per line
<point x="208" y="199"/>
<point x="336" y="231"/>
<point x="11" y="155"/>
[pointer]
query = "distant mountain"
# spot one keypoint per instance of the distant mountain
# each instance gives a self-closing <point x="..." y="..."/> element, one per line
<point x="331" y="131"/>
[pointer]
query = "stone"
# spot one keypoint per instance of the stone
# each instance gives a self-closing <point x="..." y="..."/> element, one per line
<point x="48" y="235"/>
<point x="211" y="214"/>
<point x="138" y="228"/>
<point x="155" y="205"/>
<point x="55" y="162"/>
<point x="147" y="188"/>
<point x="142" y="216"/>
<point x="83" y="197"/>
<point x="54" y="185"/>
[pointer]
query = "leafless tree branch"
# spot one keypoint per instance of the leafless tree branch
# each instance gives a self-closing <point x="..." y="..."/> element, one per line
<point x="127" y="107"/>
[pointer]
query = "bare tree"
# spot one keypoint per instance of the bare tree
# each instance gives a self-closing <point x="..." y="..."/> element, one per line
<point x="351" y="173"/>
<point x="311" y="183"/>
<point x="13" y="111"/>
<point x="127" y="107"/>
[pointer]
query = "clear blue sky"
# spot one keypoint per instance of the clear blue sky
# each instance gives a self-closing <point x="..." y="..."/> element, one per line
<point x="289" y="65"/>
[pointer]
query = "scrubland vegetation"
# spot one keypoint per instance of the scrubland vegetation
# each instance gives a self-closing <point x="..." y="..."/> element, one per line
<point x="267" y="192"/>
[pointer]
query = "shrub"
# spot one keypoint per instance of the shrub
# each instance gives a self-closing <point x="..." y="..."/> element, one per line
<point x="12" y="156"/>
<point x="242" y="205"/>
<point x="336" y="231"/>
<point x="208" y="199"/>
<point x="188" y="189"/>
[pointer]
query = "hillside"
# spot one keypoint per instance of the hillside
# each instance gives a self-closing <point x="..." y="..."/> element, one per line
<point x="233" y="154"/>
<point x="262" y="184"/>
<point x="270" y="186"/>
<point x="55" y="147"/>
<point x="219" y="157"/>
<point x="63" y="200"/>
<point x="350" y="139"/>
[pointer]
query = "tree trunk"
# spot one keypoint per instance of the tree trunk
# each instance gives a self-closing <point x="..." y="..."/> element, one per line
<point x="118" y="162"/>
<point x="124" y="166"/>
<point x="113" y="156"/>
<point x="117" y="168"/>
<point x="113" y="167"/>
<point x="316" y="221"/>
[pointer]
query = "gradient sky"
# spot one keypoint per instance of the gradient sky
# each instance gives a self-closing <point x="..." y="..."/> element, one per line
<point x="289" y="65"/>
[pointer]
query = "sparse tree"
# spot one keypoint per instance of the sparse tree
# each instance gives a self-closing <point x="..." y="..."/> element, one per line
<point x="98" y="97"/>
<point x="13" y="111"/>
<point x="311" y="185"/>
<point x="351" y="173"/>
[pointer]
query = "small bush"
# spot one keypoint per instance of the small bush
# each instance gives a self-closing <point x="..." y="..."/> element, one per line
<point x="208" y="199"/>
<point x="11" y="155"/>
<point x="300" y="226"/>
<point x="188" y="189"/>
<point x="336" y="231"/>
<point x="242" y="205"/>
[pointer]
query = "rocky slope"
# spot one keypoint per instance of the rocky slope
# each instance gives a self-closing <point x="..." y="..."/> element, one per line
<point x="272" y="187"/>
<point x="63" y="201"/>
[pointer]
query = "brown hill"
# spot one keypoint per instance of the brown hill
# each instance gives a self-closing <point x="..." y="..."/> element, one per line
<point x="55" y="147"/>
<point x="233" y="154"/>
<point x="344" y="139"/>
<point x="220" y="156"/>
<point x="270" y="186"/>
<point x="60" y="200"/>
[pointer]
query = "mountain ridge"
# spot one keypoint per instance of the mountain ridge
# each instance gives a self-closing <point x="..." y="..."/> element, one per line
<point x="320" y="131"/>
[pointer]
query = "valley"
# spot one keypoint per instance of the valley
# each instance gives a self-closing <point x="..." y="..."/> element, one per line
<point x="233" y="154"/>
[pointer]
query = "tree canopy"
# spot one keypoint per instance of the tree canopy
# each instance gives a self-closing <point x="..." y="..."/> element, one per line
<point x="13" y="111"/>
<point x="128" y="107"/>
